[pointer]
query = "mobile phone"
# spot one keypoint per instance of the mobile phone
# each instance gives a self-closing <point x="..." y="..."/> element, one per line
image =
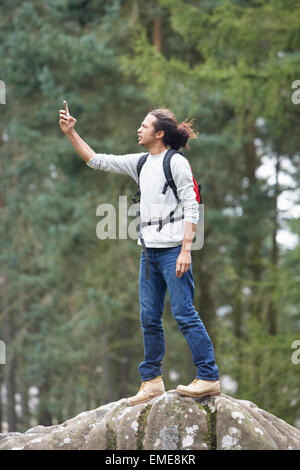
<point x="66" y="107"/>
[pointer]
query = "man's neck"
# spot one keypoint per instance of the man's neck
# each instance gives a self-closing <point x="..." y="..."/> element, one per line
<point x="157" y="148"/>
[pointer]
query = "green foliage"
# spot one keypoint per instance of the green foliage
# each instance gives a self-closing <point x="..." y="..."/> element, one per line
<point x="262" y="366"/>
<point x="70" y="303"/>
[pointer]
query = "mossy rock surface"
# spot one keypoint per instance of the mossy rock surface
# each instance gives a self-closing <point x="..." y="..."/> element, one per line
<point x="169" y="422"/>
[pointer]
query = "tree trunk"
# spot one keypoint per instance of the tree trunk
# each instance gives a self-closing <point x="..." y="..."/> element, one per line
<point x="157" y="33"/>
<point x="9" y="374"/>
<point x="44" y="415"/>
<point x="23" y="383"/>
<point x="106" y="367"/>
<point x="1" y="405"/>
<point x="237" y="311"/>
<point x="253" y="263"/>
<point x="203" y="300"/>
<point x="134" y="17"/>
<point x="272" y="308"/>
<point x="24" y="407"/>
<point x="124" y="365"/>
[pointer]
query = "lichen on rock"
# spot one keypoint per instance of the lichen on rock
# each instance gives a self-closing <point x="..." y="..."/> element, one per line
<point x="169" y="422"/>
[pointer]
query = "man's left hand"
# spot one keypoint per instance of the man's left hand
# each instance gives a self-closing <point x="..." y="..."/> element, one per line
<point x="183" y="263"/>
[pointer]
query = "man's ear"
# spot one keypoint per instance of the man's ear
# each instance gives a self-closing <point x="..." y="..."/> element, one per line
<point x="159" y="134"/>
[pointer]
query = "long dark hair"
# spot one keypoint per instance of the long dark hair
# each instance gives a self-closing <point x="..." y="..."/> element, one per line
<point x="176" y="135"/>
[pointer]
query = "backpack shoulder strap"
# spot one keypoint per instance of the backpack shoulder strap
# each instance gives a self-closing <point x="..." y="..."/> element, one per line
<point x="168" y="174"/>
<point x="141" y="163"/>
<point x="170" y="182"/>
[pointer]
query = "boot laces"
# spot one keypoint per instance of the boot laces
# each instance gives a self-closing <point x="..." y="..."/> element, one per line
<point x="145" y="383"/>
<point x="142" y="386"/>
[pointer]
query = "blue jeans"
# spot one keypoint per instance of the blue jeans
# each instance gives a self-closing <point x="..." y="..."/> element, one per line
<point x="152" y="292"/>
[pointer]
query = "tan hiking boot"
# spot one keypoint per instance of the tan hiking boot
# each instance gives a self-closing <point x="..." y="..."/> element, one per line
<point x="200" y="388"/>
<point x="148" y="390"/>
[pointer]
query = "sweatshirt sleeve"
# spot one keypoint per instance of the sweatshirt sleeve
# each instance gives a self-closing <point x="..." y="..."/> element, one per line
<point x="122" y="164"/>
<point x="183" y="178"/>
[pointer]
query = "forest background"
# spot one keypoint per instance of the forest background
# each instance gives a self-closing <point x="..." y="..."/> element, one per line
<point x="69" y="315"/>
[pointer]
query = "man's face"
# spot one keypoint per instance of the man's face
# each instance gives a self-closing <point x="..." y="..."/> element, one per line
<point x="146" y="133"/>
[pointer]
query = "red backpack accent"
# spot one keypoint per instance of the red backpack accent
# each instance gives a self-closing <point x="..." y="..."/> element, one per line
<point x="197" y="188"/>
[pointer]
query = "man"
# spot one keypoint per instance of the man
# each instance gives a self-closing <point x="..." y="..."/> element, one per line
<point x="168" y="251"/>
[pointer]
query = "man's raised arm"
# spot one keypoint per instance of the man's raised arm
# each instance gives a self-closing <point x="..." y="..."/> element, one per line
<point x="67" y="124"/>
<point x="122" y="164"/>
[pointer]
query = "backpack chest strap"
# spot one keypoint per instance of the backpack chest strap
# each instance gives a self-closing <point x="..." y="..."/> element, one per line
<point x="162" y="222"/>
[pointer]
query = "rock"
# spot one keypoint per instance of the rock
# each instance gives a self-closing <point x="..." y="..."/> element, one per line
<point x="169" y="422"/>
<point x="175" y="423"/>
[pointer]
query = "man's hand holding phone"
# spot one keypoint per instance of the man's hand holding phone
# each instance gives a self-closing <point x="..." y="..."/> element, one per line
<point x="66" y="121"/>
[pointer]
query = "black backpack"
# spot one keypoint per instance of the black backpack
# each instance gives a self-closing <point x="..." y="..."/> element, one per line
<point x="169" y="182"/>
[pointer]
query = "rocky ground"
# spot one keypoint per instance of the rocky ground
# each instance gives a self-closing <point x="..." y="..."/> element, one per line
<point x="168" y="422"/>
